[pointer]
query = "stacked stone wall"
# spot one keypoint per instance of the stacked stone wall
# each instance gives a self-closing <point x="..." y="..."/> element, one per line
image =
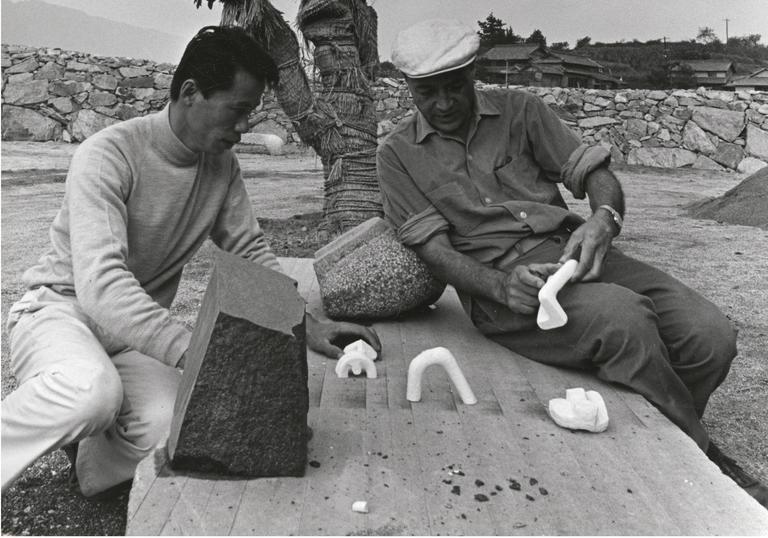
<point x="52" y="94"/>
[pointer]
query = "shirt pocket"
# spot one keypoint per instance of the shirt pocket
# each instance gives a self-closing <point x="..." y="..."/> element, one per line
<point x="458" y="208"/>
<point x="522" y="179"/>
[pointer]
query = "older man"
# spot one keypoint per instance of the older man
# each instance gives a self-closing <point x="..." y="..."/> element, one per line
<point x="471" y="183"/>
<point x="93" y="346"/>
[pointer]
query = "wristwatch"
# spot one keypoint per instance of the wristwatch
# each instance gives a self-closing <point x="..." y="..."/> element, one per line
<point x="617" y="220"/>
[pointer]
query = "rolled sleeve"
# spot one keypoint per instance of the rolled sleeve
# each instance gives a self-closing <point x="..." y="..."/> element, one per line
<point x="405" y="206"/>
<point x="580" y="164"/>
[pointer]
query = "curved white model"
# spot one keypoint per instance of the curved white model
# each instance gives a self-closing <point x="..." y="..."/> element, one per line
<point x="580" y="410"/>
<point x="443" y="357"/>
<point x="357" y="362"/>
<point x="551" y="314"/>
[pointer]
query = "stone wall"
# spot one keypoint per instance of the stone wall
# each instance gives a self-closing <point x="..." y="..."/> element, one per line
<point x="51" y="94"/>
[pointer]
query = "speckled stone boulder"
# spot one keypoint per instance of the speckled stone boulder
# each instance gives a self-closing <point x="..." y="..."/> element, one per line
<point x="243" y="402"/>
<point x="367" y="273"/>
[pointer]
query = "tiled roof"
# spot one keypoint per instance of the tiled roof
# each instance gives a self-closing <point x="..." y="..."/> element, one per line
<point x="758" y="78"/>
<point x="517" y="51"/>
<point x="708" y="65"/>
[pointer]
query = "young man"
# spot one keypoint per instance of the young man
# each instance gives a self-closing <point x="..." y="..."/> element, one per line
<point x="93" y="346"/>
<point x="470" y="182"/>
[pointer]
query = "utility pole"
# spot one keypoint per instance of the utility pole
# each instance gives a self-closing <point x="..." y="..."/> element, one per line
<point x="726" y="32"/>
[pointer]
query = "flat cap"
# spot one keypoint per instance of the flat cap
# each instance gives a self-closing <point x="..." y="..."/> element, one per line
<point x="434" y="46"/>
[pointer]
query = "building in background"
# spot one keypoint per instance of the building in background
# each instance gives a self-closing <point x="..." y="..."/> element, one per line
<point x="532" y="64"/>
<point x="708" y="73"/>
<point x="758" y="80"/>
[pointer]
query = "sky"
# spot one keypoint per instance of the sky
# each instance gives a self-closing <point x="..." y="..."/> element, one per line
<point x="559" y="20"/>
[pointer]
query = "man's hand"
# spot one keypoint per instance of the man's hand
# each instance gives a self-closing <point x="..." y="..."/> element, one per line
<point x="321" y="334"/>
<point x="522" y="285"/>
<point x="593" y="239"/>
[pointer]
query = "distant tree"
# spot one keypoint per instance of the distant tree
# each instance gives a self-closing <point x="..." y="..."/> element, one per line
<point x="706" y="35"/>
<point x="387" y="69"/>
<point x="583" y="42"/>
<point x="559" y="45"/>
<point x="537" y="37"/>
<point x="658" y="78"/>
<point x="494" y="31"/>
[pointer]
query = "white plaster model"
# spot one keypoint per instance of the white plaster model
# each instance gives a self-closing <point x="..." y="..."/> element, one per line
<point x="357" y="362"/>
<point x="443" y="357"/>
<point x="363" y="347"/>
<point x="580" y="410"/>
<point x="360" y="506"/>
<point x="551" y="314"/>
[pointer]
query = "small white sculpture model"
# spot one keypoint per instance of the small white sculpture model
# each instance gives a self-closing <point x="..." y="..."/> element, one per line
<point x="551" y="314"/>
<point x="443" y="357"/>
<point x="358" y="356"/>
<point x="580" y="410"/>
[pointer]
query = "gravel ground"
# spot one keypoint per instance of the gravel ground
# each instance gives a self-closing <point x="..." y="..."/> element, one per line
<point x="725" y="262"/>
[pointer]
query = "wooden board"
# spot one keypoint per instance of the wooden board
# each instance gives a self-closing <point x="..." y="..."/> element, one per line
<point x="427" y="467"/>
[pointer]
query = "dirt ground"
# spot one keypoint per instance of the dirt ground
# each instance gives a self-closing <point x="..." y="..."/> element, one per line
<point x="727" y="263"/>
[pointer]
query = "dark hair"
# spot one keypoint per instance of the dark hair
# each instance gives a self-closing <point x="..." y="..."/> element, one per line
<point x="215" y="54"/>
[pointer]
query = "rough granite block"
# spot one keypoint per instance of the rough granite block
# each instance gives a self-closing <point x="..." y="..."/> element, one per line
<point x="367" y="273"/>
<point x="243" y="401"/>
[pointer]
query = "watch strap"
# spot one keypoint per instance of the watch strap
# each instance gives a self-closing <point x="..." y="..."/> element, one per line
<point x="615" y="215"/>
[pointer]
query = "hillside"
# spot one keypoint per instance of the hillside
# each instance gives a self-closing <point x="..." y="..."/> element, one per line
<point x="641" y="65"/>
<point x="37" y="23"/>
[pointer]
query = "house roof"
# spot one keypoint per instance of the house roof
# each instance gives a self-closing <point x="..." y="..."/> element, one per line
<point x="576" y="59"/>
<point x="708" y="65"/>
<point x="517" y="51"/>
<point x="757" y="78"/>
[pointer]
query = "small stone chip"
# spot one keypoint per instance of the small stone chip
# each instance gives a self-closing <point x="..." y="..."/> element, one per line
<point x="515" y="485"/>
<point x="479" y="483"/>
<point x="456" y="490"/>
<point x="543" y="491"/>
<point x="479" y="497"/>
<point x="533" y="481"/>
<point x="314" y="463"/>
<point x="529" y="497"/>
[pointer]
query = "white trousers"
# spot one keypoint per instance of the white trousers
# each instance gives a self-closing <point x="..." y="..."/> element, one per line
<point x="76" y="383"/>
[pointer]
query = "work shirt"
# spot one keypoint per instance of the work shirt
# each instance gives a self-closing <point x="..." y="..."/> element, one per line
<point x="492" y="191"/>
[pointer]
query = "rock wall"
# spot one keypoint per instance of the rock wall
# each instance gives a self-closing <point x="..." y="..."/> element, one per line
<point x="51" y="94"/>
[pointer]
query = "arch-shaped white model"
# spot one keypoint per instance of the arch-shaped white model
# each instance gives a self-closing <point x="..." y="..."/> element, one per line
<point x="358" y="356"/>
<point x="357" y="362"/>
<point x="551" y="314"/>
<point x="443" y="357"/>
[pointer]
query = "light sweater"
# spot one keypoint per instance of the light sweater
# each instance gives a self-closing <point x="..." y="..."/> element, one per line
<point x="138" y="205"/>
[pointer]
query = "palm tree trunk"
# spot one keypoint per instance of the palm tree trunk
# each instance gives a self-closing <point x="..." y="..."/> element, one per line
<point x="340" y="122"/>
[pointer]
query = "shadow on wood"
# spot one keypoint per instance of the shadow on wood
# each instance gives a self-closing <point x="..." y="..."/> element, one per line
<point x="243" y="402"/>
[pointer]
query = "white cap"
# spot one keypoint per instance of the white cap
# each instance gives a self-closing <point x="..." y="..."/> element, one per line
<point x="434" y="46"/>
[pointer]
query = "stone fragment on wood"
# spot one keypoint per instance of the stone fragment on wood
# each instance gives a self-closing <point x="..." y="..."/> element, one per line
<point x="367" y="273"/>
<point x="243" y="402"/>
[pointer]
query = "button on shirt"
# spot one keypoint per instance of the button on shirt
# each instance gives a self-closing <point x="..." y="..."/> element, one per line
<point x="498" y="188"/>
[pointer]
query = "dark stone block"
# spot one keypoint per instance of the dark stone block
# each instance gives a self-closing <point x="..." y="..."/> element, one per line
<point x="242" y="406"/>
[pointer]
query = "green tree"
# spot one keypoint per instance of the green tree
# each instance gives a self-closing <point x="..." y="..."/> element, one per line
<point x="537" y="37"/>
<point x="706" y="35"/>
<point x="583" y="42"/>
<point x="494" y="31"/>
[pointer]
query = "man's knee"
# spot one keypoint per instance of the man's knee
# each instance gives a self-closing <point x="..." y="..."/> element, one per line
<point x="711" y="340"/>
<point x="92" y="393"/>
<point x="622" y="322"/>
<point x="148" y="425"/>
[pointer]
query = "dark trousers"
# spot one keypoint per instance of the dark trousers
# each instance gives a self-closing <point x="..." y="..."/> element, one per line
<point x="636" y="326"/>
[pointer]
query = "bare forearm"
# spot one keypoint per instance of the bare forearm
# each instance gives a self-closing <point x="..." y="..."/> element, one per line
<point x="604" y="189"/>
<point x="461" y="271"/>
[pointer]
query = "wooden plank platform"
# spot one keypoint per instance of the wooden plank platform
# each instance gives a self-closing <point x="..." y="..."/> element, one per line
<point x="500" y="467"/>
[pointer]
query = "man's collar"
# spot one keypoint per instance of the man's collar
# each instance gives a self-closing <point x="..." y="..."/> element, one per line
<point x="483" y="105"/>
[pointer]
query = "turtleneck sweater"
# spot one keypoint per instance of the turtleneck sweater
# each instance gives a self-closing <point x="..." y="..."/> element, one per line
<point x="137" y="206"/>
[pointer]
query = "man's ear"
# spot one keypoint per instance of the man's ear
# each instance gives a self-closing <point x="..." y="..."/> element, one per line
<point x="189" y="90"/>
